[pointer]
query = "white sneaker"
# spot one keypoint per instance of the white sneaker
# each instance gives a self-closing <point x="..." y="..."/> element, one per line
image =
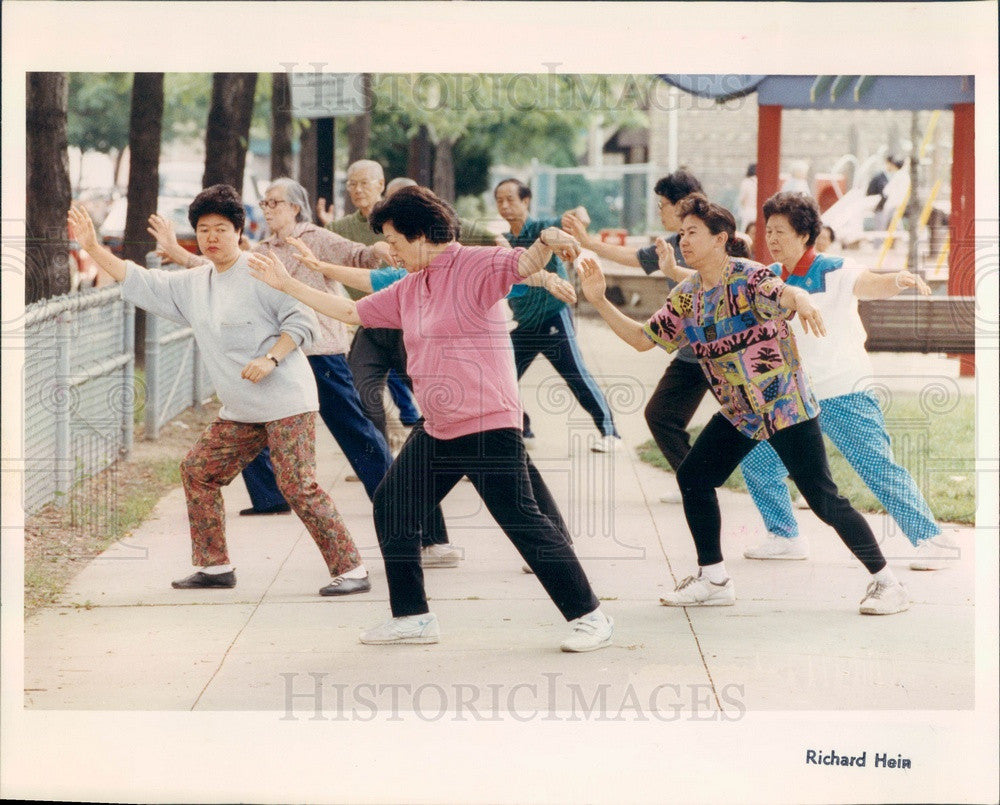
<point x="935" y="553"/>
<point x="407" y="629"/>
<point x="446" y="555"/>
<point x="605" y="444"/>
<point x="775" y="547"/>
<point x="673" y="496"/>
<point x="591" y="632"/>
<point x="884" y="599"/>
<point x="698" y="591"/>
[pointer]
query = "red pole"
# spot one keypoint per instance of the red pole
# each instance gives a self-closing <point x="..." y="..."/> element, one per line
<point x="768" y="165"/>
<point x="962" y="223"/>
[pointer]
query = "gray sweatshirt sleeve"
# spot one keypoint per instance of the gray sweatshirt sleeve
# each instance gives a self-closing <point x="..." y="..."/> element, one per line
<point x="293" y="317"/>
<point x="155" y="291"/>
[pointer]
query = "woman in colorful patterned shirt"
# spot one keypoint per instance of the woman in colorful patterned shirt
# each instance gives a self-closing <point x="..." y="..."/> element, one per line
<point x="450" y="309"/>
<point x="734" y="313"/>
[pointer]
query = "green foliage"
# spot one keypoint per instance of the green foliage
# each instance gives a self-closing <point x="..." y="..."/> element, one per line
<point x="98" y="111"/>
<point x="945" y="439"/>
<point x="601" y="197"/>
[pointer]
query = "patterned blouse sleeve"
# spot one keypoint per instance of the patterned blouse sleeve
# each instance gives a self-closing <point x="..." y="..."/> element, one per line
<point x="764" y="290"/>
<point x="665" y="328"/>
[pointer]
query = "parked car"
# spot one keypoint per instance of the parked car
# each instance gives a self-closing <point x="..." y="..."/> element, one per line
<point x="180" y="182"/>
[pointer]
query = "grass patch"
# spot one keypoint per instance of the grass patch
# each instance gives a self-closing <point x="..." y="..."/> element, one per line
<point x="936" y="447"/>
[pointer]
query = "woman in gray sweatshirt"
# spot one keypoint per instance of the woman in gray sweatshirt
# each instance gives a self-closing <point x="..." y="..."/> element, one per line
<point x="251" y="338"/>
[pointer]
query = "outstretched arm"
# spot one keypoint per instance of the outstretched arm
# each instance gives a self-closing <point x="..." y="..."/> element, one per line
<point x="268" y="268"/>
<point x="86" y="235"/>
<point x="359" y="278"/>
<point x="538" y="254"/>
<point x="883" y="286"/>
<point x="594" y="286"/>
<point x="166" y="243"/>
<point x="620" y="254"/>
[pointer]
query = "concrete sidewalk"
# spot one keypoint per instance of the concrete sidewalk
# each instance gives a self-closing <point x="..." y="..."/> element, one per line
<point x="121" y="638"/>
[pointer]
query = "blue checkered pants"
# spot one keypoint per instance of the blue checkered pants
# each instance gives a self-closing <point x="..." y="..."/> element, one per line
<point x="855" y="425"/>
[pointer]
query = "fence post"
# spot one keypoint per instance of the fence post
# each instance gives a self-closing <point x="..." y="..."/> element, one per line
<point x="152" y="363"/>
<point x="128" y="381"/>
<point x="62" y="398"/>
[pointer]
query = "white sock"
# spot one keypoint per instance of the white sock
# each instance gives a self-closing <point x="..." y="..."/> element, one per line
<point x="215" y="570"/>
<point x="358" y="573"/>
<point x="715" y="573"/>
<point x="885" y="576"/>
<point x="596" y="613"/>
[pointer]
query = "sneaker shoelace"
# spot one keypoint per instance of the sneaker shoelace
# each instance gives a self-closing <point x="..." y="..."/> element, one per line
<point x="875" y="590"/>
<point x="585" y="626"/>
<point x="687" y="582"/>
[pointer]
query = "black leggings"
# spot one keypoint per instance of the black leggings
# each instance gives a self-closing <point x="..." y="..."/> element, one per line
<point x="495" y="461"/>
<point x="718" y="451"/>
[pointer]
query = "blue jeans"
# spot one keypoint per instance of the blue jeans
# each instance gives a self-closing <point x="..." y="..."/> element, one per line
<point x="363" y="444"/>
<point x="555" y="338"/>
<point x="855" y="425"/>
<point x="403" y="398"/>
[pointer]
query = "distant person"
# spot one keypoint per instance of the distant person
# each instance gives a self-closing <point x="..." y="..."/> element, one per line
<point x="398" y="184"/>
<point x="454" y="296"/>
<point x="839" y="369"/>
<point x="734" y="312"/>
<point x="252" y="341"/>
<point x="683" y="386"/>
<point x="798" y="180"/>
<point x="751" y="232"/>
<point x="746" y="199"/>
<point x="545" y="323"/>
<point x="877" y="186"/>
<point x="825" y="239"/>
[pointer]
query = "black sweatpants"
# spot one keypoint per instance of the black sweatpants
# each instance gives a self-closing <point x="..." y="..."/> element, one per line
<point x="496" y="462"/>
<point x="718" y="450"/>
<point x="671" y="407"/>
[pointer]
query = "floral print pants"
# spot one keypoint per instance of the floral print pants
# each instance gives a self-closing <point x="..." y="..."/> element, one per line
<point x="221" y="453"/>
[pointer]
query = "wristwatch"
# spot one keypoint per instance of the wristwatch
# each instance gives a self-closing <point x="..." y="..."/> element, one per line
<point x="271" y="357"/>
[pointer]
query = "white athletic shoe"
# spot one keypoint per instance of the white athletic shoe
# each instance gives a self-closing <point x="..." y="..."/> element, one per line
<point x="936" y="553"/>
<point x="884" y="599"/>
<point x="775" y="547"/>
<point x="605" y="444"/>
<point x="407" y="629"/>
<point x="591" y="632"/>
<point x="446" y="555"/>
<point x="698" y="591"/>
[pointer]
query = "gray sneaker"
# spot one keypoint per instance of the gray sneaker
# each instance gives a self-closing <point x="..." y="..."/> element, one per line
<point x="416" y="629"/>
<point x="884" y="599"/>
<point x="698" y="591"/>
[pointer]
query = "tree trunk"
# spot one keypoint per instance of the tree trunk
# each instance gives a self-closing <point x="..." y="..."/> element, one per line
<point x="418" y="165"/>
<point x="144" y="134"/>
<point x="228" y="131"/>
<point x="307" y="162"/>
<point x="281" y="126"/>
<point x="359" y="132"/>
<point x="145" y="128"/>
<point x="47" y="268"/>
<point x="444" y="170"/>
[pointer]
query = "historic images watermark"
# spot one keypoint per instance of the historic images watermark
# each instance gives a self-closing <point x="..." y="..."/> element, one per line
<point x="318" y="696"/>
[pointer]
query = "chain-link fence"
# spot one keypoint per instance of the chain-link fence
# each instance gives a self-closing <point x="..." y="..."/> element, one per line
<point x="78" y="390"/>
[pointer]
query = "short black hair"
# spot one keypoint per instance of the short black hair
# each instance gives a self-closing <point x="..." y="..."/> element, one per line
<point x="677" y="185"/>
<point x="717" y="218"/>
<point x="219" y="199"/>
<point x="414" y="211"/>
<point x="523" y="191"/>
<point x="800" y="209"/>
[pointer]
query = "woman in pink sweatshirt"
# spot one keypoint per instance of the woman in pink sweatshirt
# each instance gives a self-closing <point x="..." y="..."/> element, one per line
<point x="450" y="309"/>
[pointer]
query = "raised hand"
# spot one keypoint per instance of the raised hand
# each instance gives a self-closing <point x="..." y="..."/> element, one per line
<point x="303" y="253"/>
<point x="384" y="252"/>
<point x="562" y="243"/>
<point x="82" y="227"/>
<point x="907" y="279"/>
<point x="324" y="211"/>
<point x="559" y="288"/>
<point x="266" y="267"/>
<point x="162" y="229"/>
<point x="667" y="258"/>
<point x="592" y="280"/>
<point x="574" y="226"/>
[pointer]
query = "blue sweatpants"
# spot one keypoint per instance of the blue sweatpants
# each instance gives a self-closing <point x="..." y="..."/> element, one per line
<point x="555" y="338"/>
<point x="856" y="426"/>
